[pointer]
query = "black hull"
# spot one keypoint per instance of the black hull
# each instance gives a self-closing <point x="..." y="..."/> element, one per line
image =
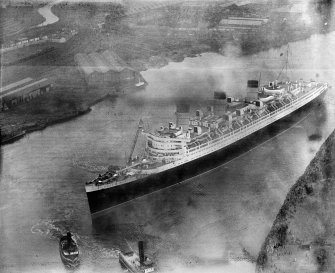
<point x="103" y="199"/>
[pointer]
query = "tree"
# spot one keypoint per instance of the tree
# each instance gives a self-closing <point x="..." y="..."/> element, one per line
<point x="113" y="20"/>
<point x="172" y="15"/>
<point x="213" y="15"/>
<point x="92" y="9"/>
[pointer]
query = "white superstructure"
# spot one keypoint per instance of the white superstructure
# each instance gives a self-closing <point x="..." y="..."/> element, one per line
<point x="207" y="132"/>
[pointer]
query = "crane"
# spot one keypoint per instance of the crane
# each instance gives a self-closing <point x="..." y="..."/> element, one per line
<point x="139" y="129"/>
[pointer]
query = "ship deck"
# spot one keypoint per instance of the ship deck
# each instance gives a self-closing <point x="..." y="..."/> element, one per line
<point x="139" y="167"/>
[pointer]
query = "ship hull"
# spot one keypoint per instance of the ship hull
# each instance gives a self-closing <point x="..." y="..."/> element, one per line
<point x="103" y="199"/>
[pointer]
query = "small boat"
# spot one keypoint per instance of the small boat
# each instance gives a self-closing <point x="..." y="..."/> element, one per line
<point x="140" y="83"/>
<point x="68" y="250"/>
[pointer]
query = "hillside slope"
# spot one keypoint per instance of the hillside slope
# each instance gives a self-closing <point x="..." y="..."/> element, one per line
<point x="302" y="238"/>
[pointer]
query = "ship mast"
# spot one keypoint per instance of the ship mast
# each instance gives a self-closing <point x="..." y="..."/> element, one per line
<point x="286" y="62"/>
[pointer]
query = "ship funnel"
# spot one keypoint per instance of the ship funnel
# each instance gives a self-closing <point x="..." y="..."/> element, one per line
<point x="183" y="115"/>
<point x="253" y="84"/>
<point x="218" y="95"/>
<point x="141" y="251"/>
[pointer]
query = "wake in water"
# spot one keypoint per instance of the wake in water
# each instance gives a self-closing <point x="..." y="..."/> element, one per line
<point x="50" y="229"/>
<point x="89" y="165"/>
<point x="95" y="249"/>
<point x="88" y="247"/>
<point x="93" y="164"/>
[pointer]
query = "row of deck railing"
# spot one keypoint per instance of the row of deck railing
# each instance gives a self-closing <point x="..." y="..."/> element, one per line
<point x="220" y="138"/>
<point x="258" y="120"/>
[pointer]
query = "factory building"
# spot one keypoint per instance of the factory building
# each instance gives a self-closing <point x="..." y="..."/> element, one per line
<point x="22" y="91"/>
<point x="242" y="22"/>
<point x="105" y="69"/>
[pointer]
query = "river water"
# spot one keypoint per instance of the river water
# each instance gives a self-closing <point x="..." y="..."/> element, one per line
<point x="191" y="227"/>
<point x="50" y="17"/>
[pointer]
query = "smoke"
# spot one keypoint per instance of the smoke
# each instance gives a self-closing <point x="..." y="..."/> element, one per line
<point x="314" y="13"/>
<point x="324" y="10"/>
<point x="195" y="79"/>
<point x="231" y="50"/>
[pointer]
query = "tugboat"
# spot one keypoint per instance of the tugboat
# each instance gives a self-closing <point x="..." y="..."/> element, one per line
<point x="136" y="263"/>
<point x="68" y="250"/>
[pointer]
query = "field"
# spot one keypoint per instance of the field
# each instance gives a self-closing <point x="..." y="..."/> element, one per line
<point x="17" y="20"/>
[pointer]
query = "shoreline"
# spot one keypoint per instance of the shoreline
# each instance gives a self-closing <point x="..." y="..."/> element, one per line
<point x="22" y="132"/>
<point x="39" y="127"/>
<point x="286" y="241"/>
<point x="156" y="63"/>
<point x="165" y="56"/>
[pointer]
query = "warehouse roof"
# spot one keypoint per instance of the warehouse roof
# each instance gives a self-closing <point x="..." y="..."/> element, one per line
<point x="15" y="85"/>
<point x="244" y="21"/>
<point x="26" y="88"/>
<point x="102" y="63"/>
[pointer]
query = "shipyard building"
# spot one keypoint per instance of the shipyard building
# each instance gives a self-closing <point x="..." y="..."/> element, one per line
<point x="22" y="91"/>
<point x="242" y="23"/>
<point x="105" y="69"/>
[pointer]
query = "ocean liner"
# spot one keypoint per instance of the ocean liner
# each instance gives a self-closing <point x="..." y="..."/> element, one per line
<point x="211" y="137"/>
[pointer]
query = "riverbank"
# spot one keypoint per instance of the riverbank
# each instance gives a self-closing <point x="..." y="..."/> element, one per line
<point x="302" y="237"/>
<point x="141" y="46"/>
<point x="13" y="136"/>
<point x="46" y="111"/>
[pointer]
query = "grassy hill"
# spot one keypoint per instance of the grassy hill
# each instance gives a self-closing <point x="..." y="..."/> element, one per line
<point x="302" y="238"/>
